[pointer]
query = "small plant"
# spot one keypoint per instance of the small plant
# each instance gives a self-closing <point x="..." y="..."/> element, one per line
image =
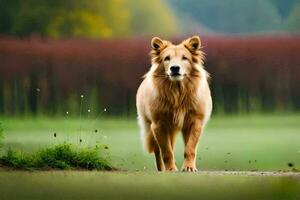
<point x="18" y="160"/>
<point x="61" y="156"/>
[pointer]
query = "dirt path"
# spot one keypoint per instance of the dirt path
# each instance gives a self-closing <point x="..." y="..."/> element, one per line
<point x="212" y="173"/>
<point x="251" y="173"/>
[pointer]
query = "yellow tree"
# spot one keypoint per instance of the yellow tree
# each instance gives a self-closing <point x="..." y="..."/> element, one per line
<point x="152" y="17"/>
<point x="68" y="18"/>
<point x="86" y="18"/>
<point x="92" y="19"/>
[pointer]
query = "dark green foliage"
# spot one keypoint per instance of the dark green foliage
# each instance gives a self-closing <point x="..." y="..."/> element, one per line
<point x="18" y="160"/>
<point x="61" y="156"/>
<point x="1" y="134"/>
<point x="81" y="18"/>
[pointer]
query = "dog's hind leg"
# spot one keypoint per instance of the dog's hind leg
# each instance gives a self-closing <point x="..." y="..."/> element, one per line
<point x="158" y="159"/>
<point x="151" y="143"/>
<point x="157" y="153"/>
<point x="165" y="146"/>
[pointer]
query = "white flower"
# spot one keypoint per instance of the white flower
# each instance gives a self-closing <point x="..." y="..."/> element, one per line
<point x="89" y="110"/>
<point x="104" y="109"/>
<point x="67" y="112"/>
<point x="81" y="96"/>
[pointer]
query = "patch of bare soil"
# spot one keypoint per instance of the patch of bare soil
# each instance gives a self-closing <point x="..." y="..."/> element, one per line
<point x="251" y="173"/>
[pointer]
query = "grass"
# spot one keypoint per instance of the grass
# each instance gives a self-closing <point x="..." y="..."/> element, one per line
<point x="1" y="134"/>
<point x="243" y="143"/>
<point x="145" y="185"/>
<point x="60" y="156"/>
<point x="239" y="143"/>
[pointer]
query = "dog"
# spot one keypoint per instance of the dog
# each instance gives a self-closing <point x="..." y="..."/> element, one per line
<point x="174" y="96"/>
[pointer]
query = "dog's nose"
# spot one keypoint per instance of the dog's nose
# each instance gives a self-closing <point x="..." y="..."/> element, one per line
<point x="175" y="69"/>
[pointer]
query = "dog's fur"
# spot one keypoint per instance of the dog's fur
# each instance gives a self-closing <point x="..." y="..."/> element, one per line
<point x="169" y="103"/>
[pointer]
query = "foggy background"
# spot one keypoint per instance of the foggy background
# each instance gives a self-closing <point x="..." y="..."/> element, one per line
<point x="52" y="52"/>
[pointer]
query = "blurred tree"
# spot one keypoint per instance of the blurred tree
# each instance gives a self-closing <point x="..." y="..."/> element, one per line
<point x="81" y="18"/>
<point x="93" y="18"/>
<point x="151" y="17"/>
<point x="293" y="21"/>
<point x="284" y="6"/>
<point x="7" y="12"/>
<point x="1" y="135"/>
<point x="232" y="16"/>
<point x="78" y="24"/>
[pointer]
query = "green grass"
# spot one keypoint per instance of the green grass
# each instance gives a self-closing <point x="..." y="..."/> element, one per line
<point x="261" y="143"/>
<point x="241" y="143"/>
<point x="60" y="156"/>
<point x="1" y="134"/>
<point x="80" y="185"/>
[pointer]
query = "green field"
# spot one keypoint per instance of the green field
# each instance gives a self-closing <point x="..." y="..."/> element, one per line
<point x="145" y="185"/>
<point x="260" y="143"/>
<point x="233" y="143"/>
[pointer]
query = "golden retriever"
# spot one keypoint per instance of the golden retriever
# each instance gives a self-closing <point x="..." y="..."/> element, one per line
<point x="174" y="96"/>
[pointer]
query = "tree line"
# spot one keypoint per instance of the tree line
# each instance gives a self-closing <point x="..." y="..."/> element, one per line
<point x="85" y="19"/>
<point x="257" y="74"/>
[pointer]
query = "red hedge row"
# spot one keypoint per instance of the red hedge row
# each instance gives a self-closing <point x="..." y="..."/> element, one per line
<point x="48" y="76"/>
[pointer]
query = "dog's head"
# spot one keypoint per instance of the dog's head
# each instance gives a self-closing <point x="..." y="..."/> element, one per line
<point x="176" y="62"/>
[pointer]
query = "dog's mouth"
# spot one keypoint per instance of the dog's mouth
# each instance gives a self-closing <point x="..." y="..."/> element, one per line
<point x="174" y="74"/>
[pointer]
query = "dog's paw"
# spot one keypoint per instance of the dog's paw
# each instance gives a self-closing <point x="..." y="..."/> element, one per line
<point x="172" y="169"/>
<point x="189" y="169"/>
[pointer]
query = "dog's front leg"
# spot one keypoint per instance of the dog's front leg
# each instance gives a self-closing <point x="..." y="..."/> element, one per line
<point x="191" y="133"/>
<point x="162" y="137"/>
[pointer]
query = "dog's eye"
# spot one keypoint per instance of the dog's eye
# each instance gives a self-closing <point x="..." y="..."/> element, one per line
<point x="167" y="58"/>
<point x="184" y="58"/>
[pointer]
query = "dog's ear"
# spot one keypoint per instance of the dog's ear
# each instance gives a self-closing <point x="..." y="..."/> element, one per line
<point x="158" y="44"/>
<point x="193" y="44"/>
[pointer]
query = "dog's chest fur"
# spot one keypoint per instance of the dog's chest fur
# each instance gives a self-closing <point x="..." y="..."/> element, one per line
<point x="176" y="102"/>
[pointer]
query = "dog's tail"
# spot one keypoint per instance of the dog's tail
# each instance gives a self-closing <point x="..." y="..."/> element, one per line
<point x="149" y="142"/>
<point x="146" y="134"/>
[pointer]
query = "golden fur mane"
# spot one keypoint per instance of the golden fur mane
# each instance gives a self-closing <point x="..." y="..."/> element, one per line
<point x="176" y="94"/>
